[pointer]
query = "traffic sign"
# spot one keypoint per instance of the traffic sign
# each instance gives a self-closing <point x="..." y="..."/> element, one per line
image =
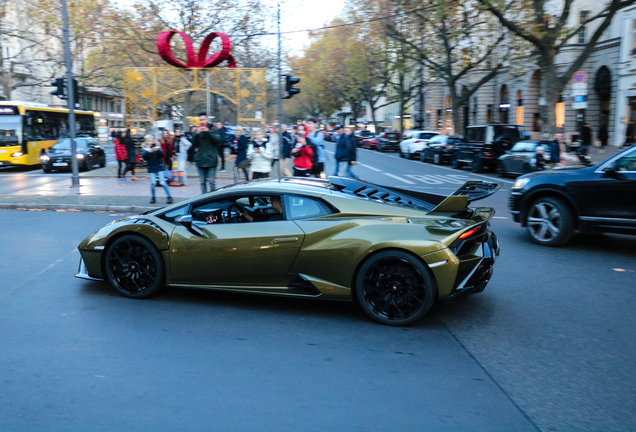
<point x="579" y="77"/>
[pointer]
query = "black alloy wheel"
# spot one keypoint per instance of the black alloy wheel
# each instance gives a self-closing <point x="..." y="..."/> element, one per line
<point x="134" y="267"/>
<point x="394" y="288"/>
<point x="549" y="222"/>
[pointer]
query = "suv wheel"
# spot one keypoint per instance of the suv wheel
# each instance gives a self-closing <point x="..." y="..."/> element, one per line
<point x="436" y="159"/>
<point x="549" y="222"/>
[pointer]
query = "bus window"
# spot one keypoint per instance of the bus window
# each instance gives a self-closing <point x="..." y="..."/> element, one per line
<point x="10" y="130"/>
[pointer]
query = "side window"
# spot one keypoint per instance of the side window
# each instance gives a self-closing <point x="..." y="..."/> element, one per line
<point x="173" y="215"/>
<point x="305" y="208"/>
<point x="626" y="163"/>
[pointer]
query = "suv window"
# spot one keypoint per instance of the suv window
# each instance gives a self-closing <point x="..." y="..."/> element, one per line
<point x="476" y="133"/>
<point x="305" y="208"/>
<point x="511" y="132"/>
<point x="626" y="163"/>
<point x="426" y="136"/>
<point x="524" y="146"/>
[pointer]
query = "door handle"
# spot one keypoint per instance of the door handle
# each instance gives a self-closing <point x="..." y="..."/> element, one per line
<point x="285" y="240"/>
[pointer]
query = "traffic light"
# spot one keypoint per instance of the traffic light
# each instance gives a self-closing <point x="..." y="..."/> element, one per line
<point x="290" y="82"/>
<point x="75" y="92"/>
<point x="60" y="90"/>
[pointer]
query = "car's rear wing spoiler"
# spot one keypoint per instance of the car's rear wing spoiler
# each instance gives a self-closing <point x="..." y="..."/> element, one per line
<point x="456" y="202"/>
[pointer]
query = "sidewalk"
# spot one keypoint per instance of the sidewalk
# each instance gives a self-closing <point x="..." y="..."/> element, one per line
<point x="99" y="190"/>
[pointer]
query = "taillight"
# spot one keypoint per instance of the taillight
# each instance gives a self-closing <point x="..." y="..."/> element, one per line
<point x="447" y="146"/>
<point x="487" y="154"/>
<point x="468" y="233"/>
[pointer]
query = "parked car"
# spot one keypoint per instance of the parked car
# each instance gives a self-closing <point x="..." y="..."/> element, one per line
<point x="88" y="153"/>
<point x="552" y="204"/>
<point x="414" y="142"/>
<point x="522" y="158"/>
<point x="389" y="141"/>
<point x="371" y="143"/>
<point x="440" y="149"/>
<point x="484" y="145"/>
<point x="395" y="253"/>
<point x="361" y="135"/>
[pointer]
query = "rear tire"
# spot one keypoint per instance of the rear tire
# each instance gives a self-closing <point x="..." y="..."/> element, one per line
<point x="394" y="288"/>
<point x="549" y="222"/>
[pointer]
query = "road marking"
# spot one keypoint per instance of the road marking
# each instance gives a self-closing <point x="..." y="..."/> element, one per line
<point x="370" y="167"/>
<point x="499" y="217"/>
<point x="399" y="178"/>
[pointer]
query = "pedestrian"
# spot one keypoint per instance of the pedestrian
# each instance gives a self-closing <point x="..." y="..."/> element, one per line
<point x="338" y="131"/>
<point x="346" y="149"/>
<point x="603" y="135"/>
<point x="154" y="157"/>
<point x="539" y="158"/>
<point x="222" y="131"/>
<point x="241" y="162"/>
<point x="302" y="153"/>
<point x="132" y="155"/>
<point x="316" y="138"/>
<point x="206" y="144"/>
<point x="286" y="160"/>
<point x="121" y="155"/>
<point x="586" y="135"/>
<point x="167" y="146"/>
<point x="181" y="149"/>
<point x="260" y="155"/>
<point x="555" y="150"/>
<point x="274" y="147"/>
<point x="629" y="134"/>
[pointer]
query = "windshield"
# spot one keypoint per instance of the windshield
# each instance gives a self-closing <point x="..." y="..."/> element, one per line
<point x="65" y="144"/>
<point x="392" y="135"/>
<point x="10" y="130"/>
<point x="426" y="136"/>
<point x="524" y="146"/>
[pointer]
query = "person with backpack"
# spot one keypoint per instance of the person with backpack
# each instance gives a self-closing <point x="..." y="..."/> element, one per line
<point x="317" y="140"/>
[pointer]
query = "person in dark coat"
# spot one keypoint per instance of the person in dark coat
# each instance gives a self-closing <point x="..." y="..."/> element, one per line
<point x="288" y="144"/>
<point x="206" y="144"/>
<point x="586" y="135"/>
<point x="555" y="151"/>
<point x="153" y="155"/>
<point x="132" y="155"/>
<point x="346" y="149"/>
<point x="241" y="162"/>
<point x="222" y="131"/>
<point x="603" y="135"/>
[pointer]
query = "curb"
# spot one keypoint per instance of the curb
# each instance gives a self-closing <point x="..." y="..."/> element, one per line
<point x="78" y="207"/>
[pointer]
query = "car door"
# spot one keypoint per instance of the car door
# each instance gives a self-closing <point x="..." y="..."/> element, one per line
<point x="234" y="254"/>
<point x="608" y="194"/>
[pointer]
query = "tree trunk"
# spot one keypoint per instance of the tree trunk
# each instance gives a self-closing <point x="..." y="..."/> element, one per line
<point x="375" y="123"/>
<point x="551" y="88"/>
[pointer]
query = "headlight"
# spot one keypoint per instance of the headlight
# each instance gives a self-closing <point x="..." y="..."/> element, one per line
<point x="16" y="154"/>
<point x="79" y="156"/>
<point x="520" y="183"/>
<point x="44" y="158"/>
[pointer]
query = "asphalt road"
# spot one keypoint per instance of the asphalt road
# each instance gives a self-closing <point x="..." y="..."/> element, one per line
<point x="549" y="345"/>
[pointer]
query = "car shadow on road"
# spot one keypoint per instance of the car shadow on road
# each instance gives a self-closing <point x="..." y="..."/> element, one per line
<point x="345" y="311"/>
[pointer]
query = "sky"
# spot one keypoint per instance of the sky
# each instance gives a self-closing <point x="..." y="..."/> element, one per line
<point x="302" y="14"/>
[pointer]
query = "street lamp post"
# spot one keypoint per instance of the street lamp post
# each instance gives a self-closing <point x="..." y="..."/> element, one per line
<point x="71" y="97"/>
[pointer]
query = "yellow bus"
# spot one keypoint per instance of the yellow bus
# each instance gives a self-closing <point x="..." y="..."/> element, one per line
<point x="28" y="128"/>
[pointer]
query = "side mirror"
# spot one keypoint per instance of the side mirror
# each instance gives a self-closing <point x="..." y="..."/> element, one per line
<point x="186" y="221"/>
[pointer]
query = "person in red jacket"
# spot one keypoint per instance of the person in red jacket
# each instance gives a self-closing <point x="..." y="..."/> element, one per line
<point x="121" y="154"/>
<point x="302" y="153"/>
<point x="167" y="146"/>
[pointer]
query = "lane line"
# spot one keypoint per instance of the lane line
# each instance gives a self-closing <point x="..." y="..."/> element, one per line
<point x="370" y="167"/>
<point x="399" y="178"/>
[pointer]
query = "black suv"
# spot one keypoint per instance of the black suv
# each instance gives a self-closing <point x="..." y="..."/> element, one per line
<point x="552" y="204"/>
<point x="484" y="144"/>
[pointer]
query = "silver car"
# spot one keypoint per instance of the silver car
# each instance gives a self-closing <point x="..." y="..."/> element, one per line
<point x="522" y="158"/>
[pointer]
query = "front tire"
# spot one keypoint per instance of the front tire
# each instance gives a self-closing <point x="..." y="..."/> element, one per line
<point x="550" y="222"/>
<point x="394" y="288"/>
<point x="134" y="267"/>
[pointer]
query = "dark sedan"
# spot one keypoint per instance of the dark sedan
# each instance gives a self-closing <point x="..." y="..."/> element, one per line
<point x="553" y="204"/>
<point x="389" y="141"/>
<point x="440" y="149"/>
<point x="88" y="153"/>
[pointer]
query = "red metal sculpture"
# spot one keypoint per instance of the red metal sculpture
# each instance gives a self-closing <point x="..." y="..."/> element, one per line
<point x="201" y="60"/>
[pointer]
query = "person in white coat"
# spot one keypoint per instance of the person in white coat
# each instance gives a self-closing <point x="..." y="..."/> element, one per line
<point x="181" y="147"/>
<point x="259" y="153"/>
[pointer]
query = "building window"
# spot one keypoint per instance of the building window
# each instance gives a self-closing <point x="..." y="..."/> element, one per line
<point x="489" y="115"/>
<point x="583" y="16"/>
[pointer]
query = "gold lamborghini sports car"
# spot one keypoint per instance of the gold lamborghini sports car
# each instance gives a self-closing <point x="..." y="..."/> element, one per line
<point x="392" y="251"/>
